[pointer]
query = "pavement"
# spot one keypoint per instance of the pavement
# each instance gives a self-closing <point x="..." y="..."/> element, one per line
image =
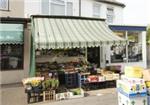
<point x="14" y="95"/>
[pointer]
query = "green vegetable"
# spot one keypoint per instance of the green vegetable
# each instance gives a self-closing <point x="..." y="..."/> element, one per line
<point x="76" y="91"/>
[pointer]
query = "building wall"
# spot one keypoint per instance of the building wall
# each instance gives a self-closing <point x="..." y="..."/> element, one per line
<point x="148" y="55"/>
<point x="34" y="7"/>
<point x="87" y="10"/>
<point x="15" y="76"/>
<point x="16" y="9"/>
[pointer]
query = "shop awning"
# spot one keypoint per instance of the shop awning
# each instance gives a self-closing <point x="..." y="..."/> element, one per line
<point x="54" y="32"/>
<point x="11" y="33"/>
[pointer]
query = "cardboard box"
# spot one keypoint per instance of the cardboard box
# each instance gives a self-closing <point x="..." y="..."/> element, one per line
<point x="148" y="91"/>
<point x="146" y="75"/>
<point x="147" y="84"/>
<point x="132" y="80"/>
<point x="148" y="100"/>
<point x="131" y="89"/>
<point x="108" y="77"/>
<point x="116" y="76"/>
<point x="133" y="72"/>
<point x="123" y="100"/>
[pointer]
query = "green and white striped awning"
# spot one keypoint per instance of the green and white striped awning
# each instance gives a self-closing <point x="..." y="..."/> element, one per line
<point x="56" y="32"/>
<point x="11" y="33"/>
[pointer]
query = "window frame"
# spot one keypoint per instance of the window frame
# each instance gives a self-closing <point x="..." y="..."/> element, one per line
<point x="63" y="3"/>
<point x="94" y="12"/>
<point x="7" y="8"/>
<point x="110" y="15"/>
<point x="127" y="47"/>
<point x="23" y="46"/>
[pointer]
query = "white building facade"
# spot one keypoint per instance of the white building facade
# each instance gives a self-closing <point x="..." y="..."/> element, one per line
<point x="112" y="11"/>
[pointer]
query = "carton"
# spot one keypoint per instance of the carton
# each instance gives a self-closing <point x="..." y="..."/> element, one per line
<point x="133" y="72"/>
<point x="146" y="75"/>
<point x="132" y="88"/>
<point x="148" y="100"/>
<point x="147" y="84"/>
<point x="132" y="80"/>
<point x="123" y="100"/>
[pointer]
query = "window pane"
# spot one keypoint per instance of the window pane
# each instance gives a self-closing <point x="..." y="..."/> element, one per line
<point x="11" y="57"/>
<point x="4" y="4"/>
<point x="69" y="8"/>
<point x="118" y="52"/>
<point x="58" y="8"/>
<point x="96" y="10"/>
<point x="110" y="15"/>
<point x="45" y="7"/>
<point x="134" y="47"/>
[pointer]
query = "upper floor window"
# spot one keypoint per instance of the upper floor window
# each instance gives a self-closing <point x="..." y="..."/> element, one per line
<point x="4" y="4"/>
<point x="96" y="10"/>
<point x="61" y="7"/>
<point x="110" y="15"/>
<point x="69" y="8"/>
<point x="57" y="7"/>
<point x="45" y="7"/>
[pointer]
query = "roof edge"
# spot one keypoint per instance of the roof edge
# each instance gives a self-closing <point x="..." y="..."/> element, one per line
<point x="67" y="17"/>
<point x="113" y="2"/>
<point x="14" y="19"/>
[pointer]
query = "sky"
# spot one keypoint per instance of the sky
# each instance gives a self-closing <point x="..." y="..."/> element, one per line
<point x="136" y="12"/>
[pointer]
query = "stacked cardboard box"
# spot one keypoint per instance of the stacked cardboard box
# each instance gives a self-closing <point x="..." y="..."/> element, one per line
<point x="146" y="77"/>
<point x="131" y="88"/>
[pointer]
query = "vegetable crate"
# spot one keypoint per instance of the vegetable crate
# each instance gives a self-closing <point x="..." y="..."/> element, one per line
<point x="49" y="95"/>
<point x="123" y="100"/>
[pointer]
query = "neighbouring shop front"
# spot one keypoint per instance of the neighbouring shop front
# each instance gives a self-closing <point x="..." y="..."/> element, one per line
<point x="12" y="52"/>
<point x="134" y="53"/>
<point x="59" y="56"/>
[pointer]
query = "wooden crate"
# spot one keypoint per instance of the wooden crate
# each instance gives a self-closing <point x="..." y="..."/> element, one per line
<point x="49" y="95"/>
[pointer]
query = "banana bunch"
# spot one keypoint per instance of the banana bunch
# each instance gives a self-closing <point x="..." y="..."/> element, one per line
<point x="35" y="82"/>
<point x="148" y="84"/>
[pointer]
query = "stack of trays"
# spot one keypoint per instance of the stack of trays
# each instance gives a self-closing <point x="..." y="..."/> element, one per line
<point x="132" y="88"/>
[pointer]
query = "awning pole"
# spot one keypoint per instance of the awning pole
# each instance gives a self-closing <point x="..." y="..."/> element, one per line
<point x="32" y="52"/>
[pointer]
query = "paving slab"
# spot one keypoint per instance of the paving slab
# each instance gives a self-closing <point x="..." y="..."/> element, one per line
<point x="14" y="95"/>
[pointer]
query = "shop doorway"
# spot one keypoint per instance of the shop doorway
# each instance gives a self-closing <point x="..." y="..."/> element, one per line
<point x="93" y="55"/>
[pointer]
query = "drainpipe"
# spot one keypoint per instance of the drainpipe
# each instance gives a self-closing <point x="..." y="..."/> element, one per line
<point x="79" y="8"/>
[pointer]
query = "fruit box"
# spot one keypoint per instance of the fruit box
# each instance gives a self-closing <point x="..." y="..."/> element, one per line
<point x="146" y="75"/>
<point x="148" y="100"/>
<point x="123" y="100"/>
<point x="133" y="72"/>
<point x="131" y="89"/>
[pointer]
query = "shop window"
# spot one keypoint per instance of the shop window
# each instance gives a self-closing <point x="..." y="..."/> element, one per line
<point x="110" y="15"/>
<point x="134" y="47"/>
<point x="118" y="52"/>
<point x="11" y="57"/>
<point x="96" y="10"/>
<point x="4" y="4"/>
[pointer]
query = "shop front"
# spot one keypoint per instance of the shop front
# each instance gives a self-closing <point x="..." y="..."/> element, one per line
<point x="132" y="54"/>
<point x="59" y="55"/>
<point x="13" y="52"/>
<point x="58" y="32"/>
